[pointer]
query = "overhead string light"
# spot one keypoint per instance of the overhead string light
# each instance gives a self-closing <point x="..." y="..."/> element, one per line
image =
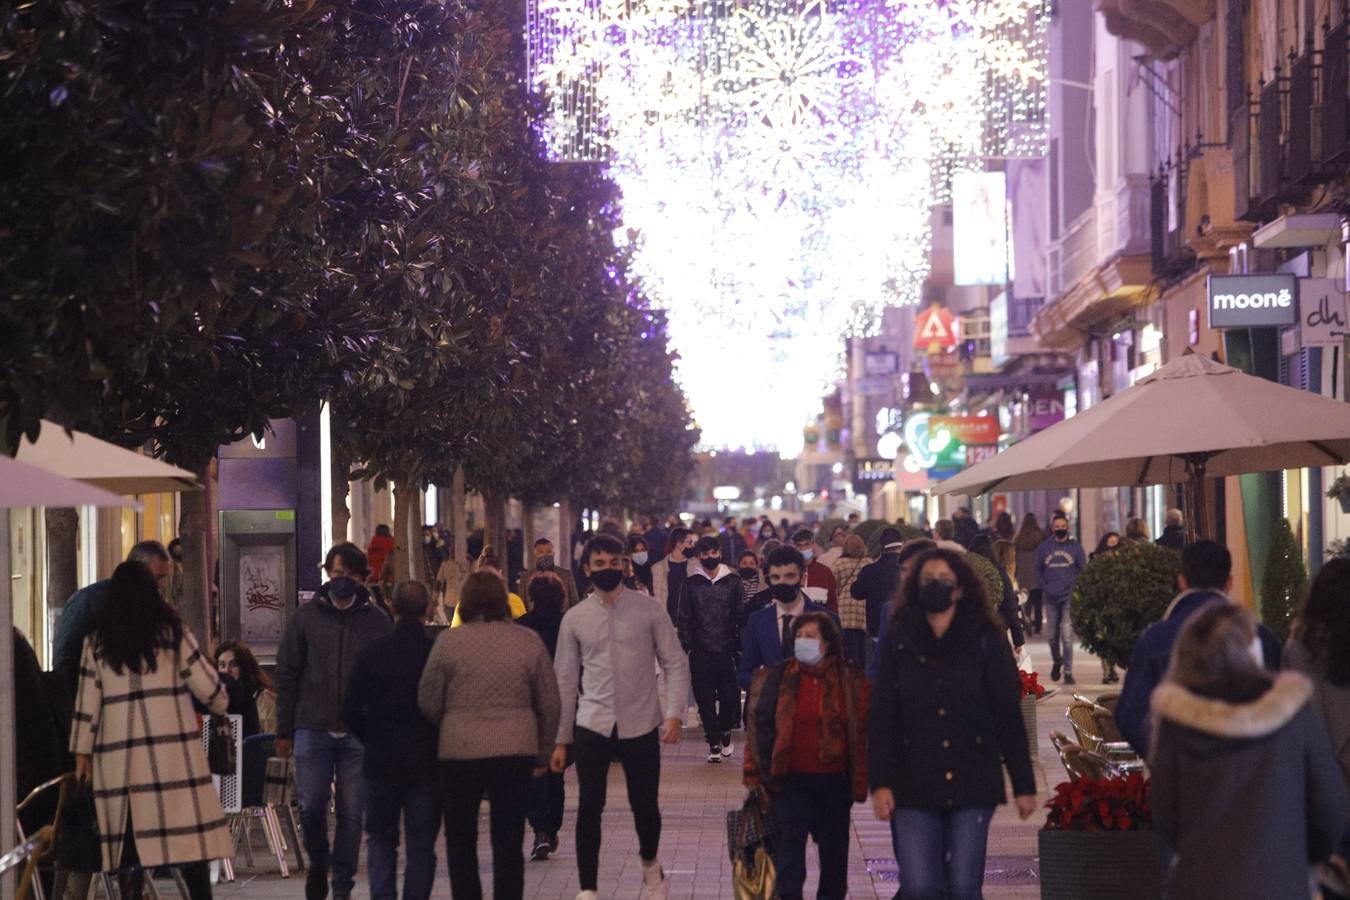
<point x="779" y="161"/>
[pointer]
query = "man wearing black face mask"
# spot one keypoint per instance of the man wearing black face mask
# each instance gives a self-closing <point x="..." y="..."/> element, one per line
<point x="708" y="620"/>
<point x="314" y="662"/>
<point x="544" y="561"/>
<point x="1059" y="560"/>
<point x="669" y="572"/>
<point x="768" y="632"/>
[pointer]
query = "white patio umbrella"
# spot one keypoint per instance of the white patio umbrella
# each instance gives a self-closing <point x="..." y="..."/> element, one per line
<point x="22" y="485"/>
<point x="1191" y="418"/>
<point x="86" y="458"/>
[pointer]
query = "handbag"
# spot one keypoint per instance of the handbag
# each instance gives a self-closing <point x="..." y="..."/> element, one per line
<point x="754" y="877"/>
<point x="78" y="845"/>
<point x="220" y="751"/>
<point x="750" y="826"/>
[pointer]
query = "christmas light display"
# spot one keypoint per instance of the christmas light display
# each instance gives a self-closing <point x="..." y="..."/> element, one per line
<point x="779" y="160"/>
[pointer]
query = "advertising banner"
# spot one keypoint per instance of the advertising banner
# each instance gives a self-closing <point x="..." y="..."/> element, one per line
<point x="1045" y="407"/>
<point x="968" y="430"/>
<point x="980" y="228"/>
<point x="1321" y="313"/>
<point x="1252" y="301"/>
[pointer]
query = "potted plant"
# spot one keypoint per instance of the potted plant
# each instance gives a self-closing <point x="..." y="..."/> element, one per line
<point x="1340" y="491"/>
<point x="1032" y="691"/>
<point x="1098" y="842"/>
<point x="1120" y="594"/>
<point x="1284" y="581"/>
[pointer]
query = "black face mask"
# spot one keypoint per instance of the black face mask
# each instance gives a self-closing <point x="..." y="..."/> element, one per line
<point x="935" y="597"/>
<point x="784" y="593"/>
<point x="1061" y="533"/>
<point x="607" y="579"/>
<point x="711" y="563"/>
<point x="748" y="572"/>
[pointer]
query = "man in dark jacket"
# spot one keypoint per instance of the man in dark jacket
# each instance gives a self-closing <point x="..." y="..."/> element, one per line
<point x="708" y="619"/>
<point x="1174" y="531"/>
<point x="768" y="632"/>
<point x="877" y="583"/>
<point x="1206" y="577"/>
<point x="314" y="665"/>
<point x="965" y="526"/>
<point x="1059" y="561"/>
<point x="400" y="749"/>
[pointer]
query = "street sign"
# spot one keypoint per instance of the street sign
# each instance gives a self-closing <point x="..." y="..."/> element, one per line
<point x="935" y="327"/>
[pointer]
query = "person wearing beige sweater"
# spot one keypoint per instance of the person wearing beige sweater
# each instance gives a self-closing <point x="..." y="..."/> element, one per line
<point x="490" y="688"/>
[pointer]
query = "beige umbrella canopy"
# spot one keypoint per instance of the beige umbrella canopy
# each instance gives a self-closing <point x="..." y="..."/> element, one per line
<point x="1191" y="418"/>
<point x="86" y="458"/>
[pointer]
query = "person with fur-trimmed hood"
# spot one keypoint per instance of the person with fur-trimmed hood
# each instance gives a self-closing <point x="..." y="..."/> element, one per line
<point x="1246" y="791"/>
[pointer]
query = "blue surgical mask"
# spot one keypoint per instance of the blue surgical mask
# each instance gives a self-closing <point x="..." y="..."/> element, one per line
<point x="809" y="554"/>
<point x="807" y="650"/>
<point x="640" y="558"/>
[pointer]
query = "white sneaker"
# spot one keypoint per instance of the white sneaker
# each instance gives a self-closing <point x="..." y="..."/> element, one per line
<point x="655" y="880"/>
<point x="727" y="747"/>
<point x="588" y="895"/>
<point x="714" y="755"/>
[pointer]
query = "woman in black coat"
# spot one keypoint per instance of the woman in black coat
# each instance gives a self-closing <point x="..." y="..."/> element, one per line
<point x="946" y="718"/>
<point x="547" y="792"/>
<point x="1246" y="791"/>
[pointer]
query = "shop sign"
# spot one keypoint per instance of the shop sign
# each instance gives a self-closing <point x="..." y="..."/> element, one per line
<point x="1045" y="407"/>
<point x="1249" y="301"/>
<point x="968" y="430"/>
<point x="935" y="327"/>
<point x="980" y="452"/>
<point x="1322" y="313"/>
<point x="868" y="472"/>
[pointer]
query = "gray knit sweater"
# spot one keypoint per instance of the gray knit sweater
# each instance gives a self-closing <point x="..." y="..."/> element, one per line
<point x="490" y="689"/>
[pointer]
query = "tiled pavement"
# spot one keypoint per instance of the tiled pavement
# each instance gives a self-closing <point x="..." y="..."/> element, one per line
<point x="695" y="796"/>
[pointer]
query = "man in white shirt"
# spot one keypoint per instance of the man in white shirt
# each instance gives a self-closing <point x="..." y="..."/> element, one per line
<point x="608" y="649"/>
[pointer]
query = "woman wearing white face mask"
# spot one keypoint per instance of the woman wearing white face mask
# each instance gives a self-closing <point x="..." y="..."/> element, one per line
<point x="639" y="577"/>
<point x="805" y="744"/>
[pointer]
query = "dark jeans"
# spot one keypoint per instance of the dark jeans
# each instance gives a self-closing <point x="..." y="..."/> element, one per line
<point x="416" y="803"/>
<point x="547" y="795"/>
<point x="1035" y="605"/>
<point x="941" y="854"/>
<point x="321" y="762"/>
<point x="717" y="693"/>
<point x="855" y="647"/>
<point x="816" y="806"/>
<point x="1059" y="619"/>
<point x="505" y="781"/>
<point x="641" y="761"/>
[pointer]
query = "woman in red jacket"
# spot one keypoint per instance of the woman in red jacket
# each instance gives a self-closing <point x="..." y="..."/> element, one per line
<point x="380" y="551"/>
<point x="805" y="744"/>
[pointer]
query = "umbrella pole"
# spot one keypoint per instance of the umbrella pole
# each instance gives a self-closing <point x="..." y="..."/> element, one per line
<point x="8" y="836"/>
<point x="1198" y="515"/>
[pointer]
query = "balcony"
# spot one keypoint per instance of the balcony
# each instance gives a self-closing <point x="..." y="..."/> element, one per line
<point x="1333" y="106"/>
<point x="1163" y="27"/>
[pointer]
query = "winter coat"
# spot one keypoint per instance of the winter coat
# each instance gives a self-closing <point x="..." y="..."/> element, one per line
<point x="1026" y="572"/>
<point x="148" y="758"/>
<point x="666" y="583"/>
<point x="1245" y="790"/>
<point x="77" y="620"/>
<point x="876" y="585"/>
<point x="1332" y="700"/>
<point x="947" y="716"/>
<point x="546" y="624"/>
<point x="852" y="611"/>
<point x="1152" y="655"/>
<point x="381" y="549"/>
<point x="770" y="722"/>
<point x="819" y="585"/>
<point x="315" y="660"/>
<point x="490" y="689"/>
<point x="1173" y="537"/>
<point x="381" y="707"/>
<point x="708" y="617"/>
<point x="570" y="598"/>
<point x="37" y="734"/>
<point x="1058" y="564"/>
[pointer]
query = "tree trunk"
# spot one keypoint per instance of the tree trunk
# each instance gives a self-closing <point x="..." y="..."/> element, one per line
<point x="527" y="531"/>
<point x="458" y="524"/>
<point x="565" y="519"/>
<point x="196" y="533"/>
<point x="63" y="538"/>
<point x="494" y="525"/>
<point x="407" y="533"/>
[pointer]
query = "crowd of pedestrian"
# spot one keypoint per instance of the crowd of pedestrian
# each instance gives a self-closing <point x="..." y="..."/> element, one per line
<point x="894" y="677"/>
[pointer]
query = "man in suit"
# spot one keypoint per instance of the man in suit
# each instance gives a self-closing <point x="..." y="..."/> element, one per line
<point x="768" y="634"/>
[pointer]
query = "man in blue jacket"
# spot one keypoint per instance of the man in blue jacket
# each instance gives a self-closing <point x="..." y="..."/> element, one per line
<point x="768" y="632"/>
<point x="1206" y="577"/>
<point x="1059" y="560"/>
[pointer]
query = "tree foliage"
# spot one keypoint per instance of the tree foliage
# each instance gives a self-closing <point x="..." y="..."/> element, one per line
<point x="1120" y="594"/>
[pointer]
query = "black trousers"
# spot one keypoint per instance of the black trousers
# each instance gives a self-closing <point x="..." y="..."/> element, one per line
<point x="547" y="797"/>
<point x="131" y="877"/>
<point x="816" y="806"/>
<point x="641" y="761"/>
<point x="1036" y="606"/>
<point x="716" y="691"/>
<point x="505" y="781"/>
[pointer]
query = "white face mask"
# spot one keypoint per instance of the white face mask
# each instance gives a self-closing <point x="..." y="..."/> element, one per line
<point x="807" y="650"/>
<point x="640" y="558"/>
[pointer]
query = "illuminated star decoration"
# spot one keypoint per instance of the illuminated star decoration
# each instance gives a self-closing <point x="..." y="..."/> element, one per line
<point x="779" y="160"/>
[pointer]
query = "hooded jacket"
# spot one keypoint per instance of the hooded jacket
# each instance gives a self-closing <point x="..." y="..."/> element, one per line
<point x="1245" y="790"/>
<point x="316" y="657"/>
<point x="1058" y="565"/>
<point x="708" y="617"/>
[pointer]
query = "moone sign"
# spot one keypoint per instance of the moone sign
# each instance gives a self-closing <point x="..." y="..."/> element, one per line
<point x="1251" y="301"/>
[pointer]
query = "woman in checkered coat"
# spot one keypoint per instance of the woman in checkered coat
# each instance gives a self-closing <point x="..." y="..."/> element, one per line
<point x="135" y="734"/>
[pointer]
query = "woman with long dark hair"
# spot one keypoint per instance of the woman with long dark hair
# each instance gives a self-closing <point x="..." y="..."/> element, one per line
<point x="1320" y="649"/>
<point x="1027" y="541"/>
<point x="135" y="736"/>
<point x="946" y="719"/>
<point x="640" y="559"/>
<point x="236" y="659"/>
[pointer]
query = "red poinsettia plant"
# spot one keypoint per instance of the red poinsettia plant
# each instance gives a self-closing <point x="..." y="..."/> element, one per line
<point x="1101" y="804"/>
<point x="1031" y="685"/>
